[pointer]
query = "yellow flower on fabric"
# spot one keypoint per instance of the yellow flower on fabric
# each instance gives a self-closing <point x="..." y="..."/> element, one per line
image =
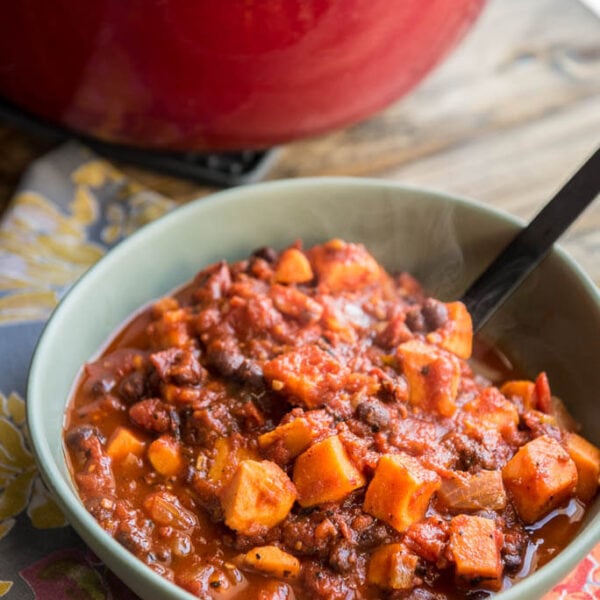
<point x="5" y="587"/>
<point x="96" y="173"/>
<point x="133" y="207"/>
<point x="42" y="251"/>
<point x="21" y="488"/>
<point x="132" y="213"/>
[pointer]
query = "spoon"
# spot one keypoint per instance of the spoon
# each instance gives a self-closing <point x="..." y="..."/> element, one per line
<point x="527" y="249"/>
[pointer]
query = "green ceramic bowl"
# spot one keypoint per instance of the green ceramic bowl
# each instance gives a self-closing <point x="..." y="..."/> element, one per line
<point x="552" y="322"/>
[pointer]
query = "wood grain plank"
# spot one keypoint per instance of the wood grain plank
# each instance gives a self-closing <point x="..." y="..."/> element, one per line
<point x="523" y="60"/>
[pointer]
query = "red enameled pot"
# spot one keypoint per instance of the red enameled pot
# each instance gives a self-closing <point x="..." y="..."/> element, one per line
<point x="215" y="74"/>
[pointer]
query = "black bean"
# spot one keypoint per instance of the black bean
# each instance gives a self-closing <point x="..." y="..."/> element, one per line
<point x="266" y="253"/>
<point x="151" y="414"/>
<point x="78" y="439"/>
<point x="133" y="387"/>
<point x="434" y="313"/>
<point x="225" y="362"/>
<point x="373" y="413"/>
<point x="250" y="372"/>
<point x="415" y="320"/>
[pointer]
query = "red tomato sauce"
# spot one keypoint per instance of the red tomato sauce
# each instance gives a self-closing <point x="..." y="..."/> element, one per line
<point x="301" y="424"/>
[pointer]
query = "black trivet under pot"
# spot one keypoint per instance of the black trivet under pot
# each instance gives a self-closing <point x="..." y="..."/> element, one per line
<point x="219" y="168"/>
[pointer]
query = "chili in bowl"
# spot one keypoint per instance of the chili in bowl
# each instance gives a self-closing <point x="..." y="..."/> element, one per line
<point x="301" y="421"/>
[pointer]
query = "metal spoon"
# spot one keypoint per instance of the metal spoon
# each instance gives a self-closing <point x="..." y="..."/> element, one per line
<point x="489" y="291"/>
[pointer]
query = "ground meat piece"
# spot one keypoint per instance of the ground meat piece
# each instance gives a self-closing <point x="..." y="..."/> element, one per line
<point x="98" y="481"/>
<point x="178" y="366"/>
<point x="373" y="413"/>
<point x="513" y="550"/>
<point x="225" y="358"/>
<point x="395" y="331"/>
<point x="376" y="535"/>
<point x="203" y="424"/>
<point x="103" y="374"/>
<point x="134" y="530"/>
<point x="249" y="415"/>
<point x="320" y="531"/>
<point x="102" y="509"/>
<point x="428" y="539"/>
<point x="358" y="450"/>
<point x="95" y="476"/>
<point x="311" y="534"/>
<point x="133" y="387"/>
<point x="343" y="557"/>
<point x="471" y="454"/>
<point x="415" y="436"/>
<point x="539" y="425"/>
<point x="260" y="268"/>
<point x="419" y="593"/>
<point x="322" y="583"/>
<point x="152" y="415"/>
<point x="212" y="283"/>
<point x="82" y="440"/>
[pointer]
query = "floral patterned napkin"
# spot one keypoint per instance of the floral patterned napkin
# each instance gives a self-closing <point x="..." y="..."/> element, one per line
<point x="71" y="207"/>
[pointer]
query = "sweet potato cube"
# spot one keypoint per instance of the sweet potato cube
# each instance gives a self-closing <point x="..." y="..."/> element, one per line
<point x="539" y="477"/>
<point x="491" y="410"/>
<point x="432" y="374"/>
<point x="473" y="491"/>
<point x="400" y="490"/>
<point x="293" y="267"/>
<point x="123" y="442"/>
<point x="456" y="335"/>
<point x="339" y="266"/>
<point x="297" y="435"/>
<point x="164" y="453"/>
<point x="586" y="457"/>
<point x="475" y="545"/>
<point x="523" y="389"/>
<point x="229" y="452"/>
<point x="534" y="395"/>
<point x="306" y="374"/>
<point x="324" y="473"/>
<point x="392" y="567"/>
<point x="258" y="497"/>
<point x="270" y="560"/>
<point x="170" y="329"/>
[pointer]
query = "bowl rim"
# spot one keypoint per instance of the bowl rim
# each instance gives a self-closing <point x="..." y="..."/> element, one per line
<point x="67" y="498"/>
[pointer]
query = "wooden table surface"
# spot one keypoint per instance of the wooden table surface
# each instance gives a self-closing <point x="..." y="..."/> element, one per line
<point x="506" y="119"/>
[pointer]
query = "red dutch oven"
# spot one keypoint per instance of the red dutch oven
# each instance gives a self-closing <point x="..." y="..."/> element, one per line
<point x="217" y="74"/>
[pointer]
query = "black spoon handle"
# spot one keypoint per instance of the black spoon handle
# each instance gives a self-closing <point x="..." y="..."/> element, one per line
<point x="487" y="293"/>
